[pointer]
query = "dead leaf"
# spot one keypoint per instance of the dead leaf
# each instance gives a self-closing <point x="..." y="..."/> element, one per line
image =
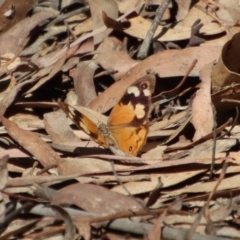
<point x="13" y="11"/>
<point x="57" y="127"/>
<point x="3" y="181"/>
<point x="49" y="57"/>
<point x="183" y="7"/>
<point x="226" y="70"/>
<point x="181" y="31"/>
<point x="83" y="82"/>
<point x="32" y="143"/>
<point x="86" y="166"/>
<point x="172" y="62"/>
<point x="69" y="225"/>
<point x="96" y="199"/>
<point x="110" y="8"/>
<point x="112" y="54"/>
<point x="202" y="112"/>
<point x="12" y="41"/>
<point x="168" y="179"/>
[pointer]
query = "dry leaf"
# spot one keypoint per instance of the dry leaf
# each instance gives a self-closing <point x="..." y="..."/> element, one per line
<point x="202" y="112"/>
<point x="95" y="199"/>
<point x="32" y="143"/>
<point x="110" y="8"/>
<point x="226" y="70"/>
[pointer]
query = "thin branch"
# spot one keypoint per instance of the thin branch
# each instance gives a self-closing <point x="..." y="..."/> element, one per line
<point x="214" y="141"/>
<point x="144" y="49"/>
<point x="135" y="199"/>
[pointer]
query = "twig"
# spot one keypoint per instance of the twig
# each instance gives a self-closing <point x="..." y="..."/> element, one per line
<point x="156" y="231"/>
<point x="214" y="141"/>
<point x="173" y="92"/>
<point x="75" y="45"/>
<point x="128" y="226"/>
<point x="69" y="31"/>
<point x="204" y="209"/>
<point x="62" y="17"/>
<point x="221" y="177"/>
<point x="12" y="215"/>
<point x="33" y="168"/>
<point x="215" y="17"/>
<point x="210" y="225"/>
<point x="155" y="193"/>
<point x="144" y="49"/>
<point x="235" y="121"/>
<point x="128" y="214"/>
<point x="46" y="169"/>
<point x="135" y="199"/>
<point x="190" y="232"/>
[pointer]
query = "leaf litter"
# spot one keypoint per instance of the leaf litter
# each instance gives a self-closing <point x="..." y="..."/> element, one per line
<point x="184" y="184"/>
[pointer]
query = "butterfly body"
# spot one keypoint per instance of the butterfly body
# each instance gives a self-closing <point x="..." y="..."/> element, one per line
<point x="125" y="131"/>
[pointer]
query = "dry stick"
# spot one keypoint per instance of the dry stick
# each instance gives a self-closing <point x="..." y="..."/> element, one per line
<point x="62" y="51"/>
<point x="221" y="177"/>
<point x="22" y="198"/>
<point x="33" y="168"/>
<point x="12" y="215"/>
<point x="62" y="17"/>
<point x="214" y="140"/>
<point x="135" y="199"/>
<point x="69" y="30"/>
<point x="235" y="121"/>
<point x="165" y="93"/>
<point x="69" y="232"/>
<point x="144" y="49"/>
<point x="191" y="231"/>
<point x="206" y="206"/>
<point x="194" y="62"/>
<point x="68" y="37"/>
<point x="126" y="225"/>
<point x="18" y="52"/>
<point x="216" y="18"/>
<point x="155" y="193"/>
<point x="47" y="168"/>
<point x="128" y="214"/>
<point x="159" y="222"/>
<point x="230" y="100"/>
<point x="46" y="233"/>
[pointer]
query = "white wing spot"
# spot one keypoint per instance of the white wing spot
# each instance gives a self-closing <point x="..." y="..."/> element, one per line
<point x="146" y="92"/>
<point x="139" y="111"/>
<point x="134" y="90"/>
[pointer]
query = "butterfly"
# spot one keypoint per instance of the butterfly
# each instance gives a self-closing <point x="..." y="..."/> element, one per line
<point x="125" y="131"/>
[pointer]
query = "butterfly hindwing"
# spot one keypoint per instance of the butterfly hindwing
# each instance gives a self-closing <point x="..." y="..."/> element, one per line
<point x="132" y="138"/>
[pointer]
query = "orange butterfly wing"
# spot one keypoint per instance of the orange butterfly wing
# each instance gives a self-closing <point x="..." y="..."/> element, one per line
<point x="127" y="126"/>
<point x="128" y="121"/>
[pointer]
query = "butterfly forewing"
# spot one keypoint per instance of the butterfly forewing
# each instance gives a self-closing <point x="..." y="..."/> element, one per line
<point x="83" y="122"/>
<point x="134" y="106"/>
